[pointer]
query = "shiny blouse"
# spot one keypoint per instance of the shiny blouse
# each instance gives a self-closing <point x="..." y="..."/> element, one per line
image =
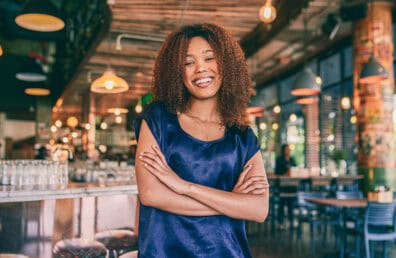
<point x="216" y="164"/>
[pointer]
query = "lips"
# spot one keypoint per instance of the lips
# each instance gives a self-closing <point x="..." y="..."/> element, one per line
<point x="203" y="82"/>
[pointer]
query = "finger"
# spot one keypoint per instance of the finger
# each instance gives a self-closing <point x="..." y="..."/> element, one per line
<point x="251" y="188"/>
<point x="159" y="153"/>
<point x="255" y="186"/>
<point x="252" y="180"/>
<point x="153" y="157"/>
<point x="153" y="163"/>
<point x="258" y="191"/>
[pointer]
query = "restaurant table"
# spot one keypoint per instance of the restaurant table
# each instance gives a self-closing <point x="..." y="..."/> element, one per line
<point x="343" y="204"/>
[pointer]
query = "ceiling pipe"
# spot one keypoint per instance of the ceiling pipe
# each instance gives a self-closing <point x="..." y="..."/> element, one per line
<point x="138" y="37"/>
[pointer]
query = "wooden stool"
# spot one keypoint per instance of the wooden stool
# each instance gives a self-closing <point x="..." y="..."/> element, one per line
<point x="117" y="241"/>
<point x="133" y="254"/>
<point x="79" y="248"/>
<point x="9" y="255"/>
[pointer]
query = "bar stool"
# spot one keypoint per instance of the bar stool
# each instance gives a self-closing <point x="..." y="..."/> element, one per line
<point x="117" y="241"/>
<point x="133" y="254"/>
<point x="9" y="255"/>
<point x="79" y="248"/>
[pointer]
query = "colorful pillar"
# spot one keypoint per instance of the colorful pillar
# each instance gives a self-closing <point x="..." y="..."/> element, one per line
<point x="373" y="102"/>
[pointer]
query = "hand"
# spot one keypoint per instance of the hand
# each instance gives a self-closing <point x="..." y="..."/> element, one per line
<point x="250" y="185"/>
<point x="156" y="164"/>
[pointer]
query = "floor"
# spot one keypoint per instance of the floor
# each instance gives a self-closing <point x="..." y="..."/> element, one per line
<point x="266" y="241"/>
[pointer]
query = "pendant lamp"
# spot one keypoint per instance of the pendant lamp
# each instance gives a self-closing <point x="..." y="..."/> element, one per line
<point x="31" y="72"/>
<point x="372" y="71"/>
<point x="307" y="100"/>
<point x="37" y="91"/>
<point x="306" y="82"/>
<point x="40" y="15"/>
<point x="109" y="83"/>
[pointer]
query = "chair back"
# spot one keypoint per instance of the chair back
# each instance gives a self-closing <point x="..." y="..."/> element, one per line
<point x="380" y="214"/>
<point x="349" y="195"/>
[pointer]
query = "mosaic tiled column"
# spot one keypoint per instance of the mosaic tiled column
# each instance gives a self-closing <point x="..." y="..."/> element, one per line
<point x="373" y="102"/>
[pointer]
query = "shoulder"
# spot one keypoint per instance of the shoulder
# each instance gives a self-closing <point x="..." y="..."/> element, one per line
<point x="156" y="107"/>
<point x="244" y="132"/>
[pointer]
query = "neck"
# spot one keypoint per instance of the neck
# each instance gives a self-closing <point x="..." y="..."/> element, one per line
<point x="205" y="110"/>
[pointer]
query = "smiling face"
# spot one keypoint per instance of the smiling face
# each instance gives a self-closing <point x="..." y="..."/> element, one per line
<point x="201" y="74"/>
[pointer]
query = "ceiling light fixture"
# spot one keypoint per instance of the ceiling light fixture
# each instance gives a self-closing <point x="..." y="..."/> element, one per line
<point x="32" y="71"/>
<point x="306" y="82"/>
<point x="139" y="107"/>
<point x="109" y="82"/>
<point x="40" y="15"/>
<point x="345" y="103"/>
<point x="372" y="71"/>
<point x="307" y="100"/>
<point x="37" y="91"/>
<point x="267" y="12"/>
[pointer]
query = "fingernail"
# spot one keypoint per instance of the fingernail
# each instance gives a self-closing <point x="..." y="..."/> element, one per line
<point x="145" y="164"/>
<point x="140" y="157"/>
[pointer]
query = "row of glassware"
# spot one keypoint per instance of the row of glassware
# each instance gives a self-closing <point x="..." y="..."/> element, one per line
<point x="27" y="173"/>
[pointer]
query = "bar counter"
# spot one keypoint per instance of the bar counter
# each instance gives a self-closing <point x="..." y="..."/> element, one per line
<point x="73" y="190"/>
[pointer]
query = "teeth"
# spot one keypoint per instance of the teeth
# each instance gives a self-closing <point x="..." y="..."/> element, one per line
<point x="204" y="80"/>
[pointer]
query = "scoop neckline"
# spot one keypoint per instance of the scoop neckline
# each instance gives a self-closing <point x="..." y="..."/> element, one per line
<point x="195" y="138"/>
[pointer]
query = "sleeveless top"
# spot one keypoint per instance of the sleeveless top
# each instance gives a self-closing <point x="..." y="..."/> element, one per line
<point x="216" y="164"/>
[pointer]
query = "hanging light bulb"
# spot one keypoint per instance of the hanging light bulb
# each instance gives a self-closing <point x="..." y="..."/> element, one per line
<point x="1" y="51"/>
<point x="109" y="83"/>
<point x="103" y="125"/>
<point x="72" y="121"/>
<point x="277" y="109"/>
<point x="345" y="102"/>
<point x="58" y="123"/>
<point x="293" y="117"/>
<point x="139" y="107"/>
<point x="267" y="12"/>
<point x="263" y="126"/>
<point x="118" y="119"/>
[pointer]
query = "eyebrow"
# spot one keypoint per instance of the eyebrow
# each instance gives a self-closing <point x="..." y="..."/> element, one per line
<point x="203" y="52"/>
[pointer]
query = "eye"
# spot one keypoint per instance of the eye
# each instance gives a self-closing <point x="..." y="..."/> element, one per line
<point x="210" y="58"/>
<point x="187" y="63"/>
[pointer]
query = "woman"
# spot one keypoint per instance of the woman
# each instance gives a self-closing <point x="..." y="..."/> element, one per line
<point x="199" y="170"/>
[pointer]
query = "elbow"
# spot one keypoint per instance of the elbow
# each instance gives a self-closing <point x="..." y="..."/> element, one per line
<point x="261" y="216"/>
<point x="146" y="197"/>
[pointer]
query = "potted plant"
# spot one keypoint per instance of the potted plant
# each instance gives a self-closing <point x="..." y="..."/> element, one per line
<point x="339" y="156"/>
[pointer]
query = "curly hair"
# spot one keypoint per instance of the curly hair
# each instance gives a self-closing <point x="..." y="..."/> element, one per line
<point x="169" y="69"/>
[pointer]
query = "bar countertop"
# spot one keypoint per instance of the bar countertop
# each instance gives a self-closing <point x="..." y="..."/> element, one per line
<point x="73" y="190"/>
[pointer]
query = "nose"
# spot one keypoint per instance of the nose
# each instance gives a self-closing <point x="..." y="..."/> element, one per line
<point x="200" y="66"/>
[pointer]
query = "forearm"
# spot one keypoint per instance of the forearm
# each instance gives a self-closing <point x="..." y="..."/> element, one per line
<point x="161" y="197"/>
<point x="236" y="205"/>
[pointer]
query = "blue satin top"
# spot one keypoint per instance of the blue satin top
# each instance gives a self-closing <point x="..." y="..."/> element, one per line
<point x="216" y="164"/>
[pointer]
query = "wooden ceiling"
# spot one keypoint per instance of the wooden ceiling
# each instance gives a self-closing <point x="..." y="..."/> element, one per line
<point x="270" y="49"/>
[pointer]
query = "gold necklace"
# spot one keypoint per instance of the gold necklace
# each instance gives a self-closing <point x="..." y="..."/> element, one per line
<point x="201" y="121"/>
